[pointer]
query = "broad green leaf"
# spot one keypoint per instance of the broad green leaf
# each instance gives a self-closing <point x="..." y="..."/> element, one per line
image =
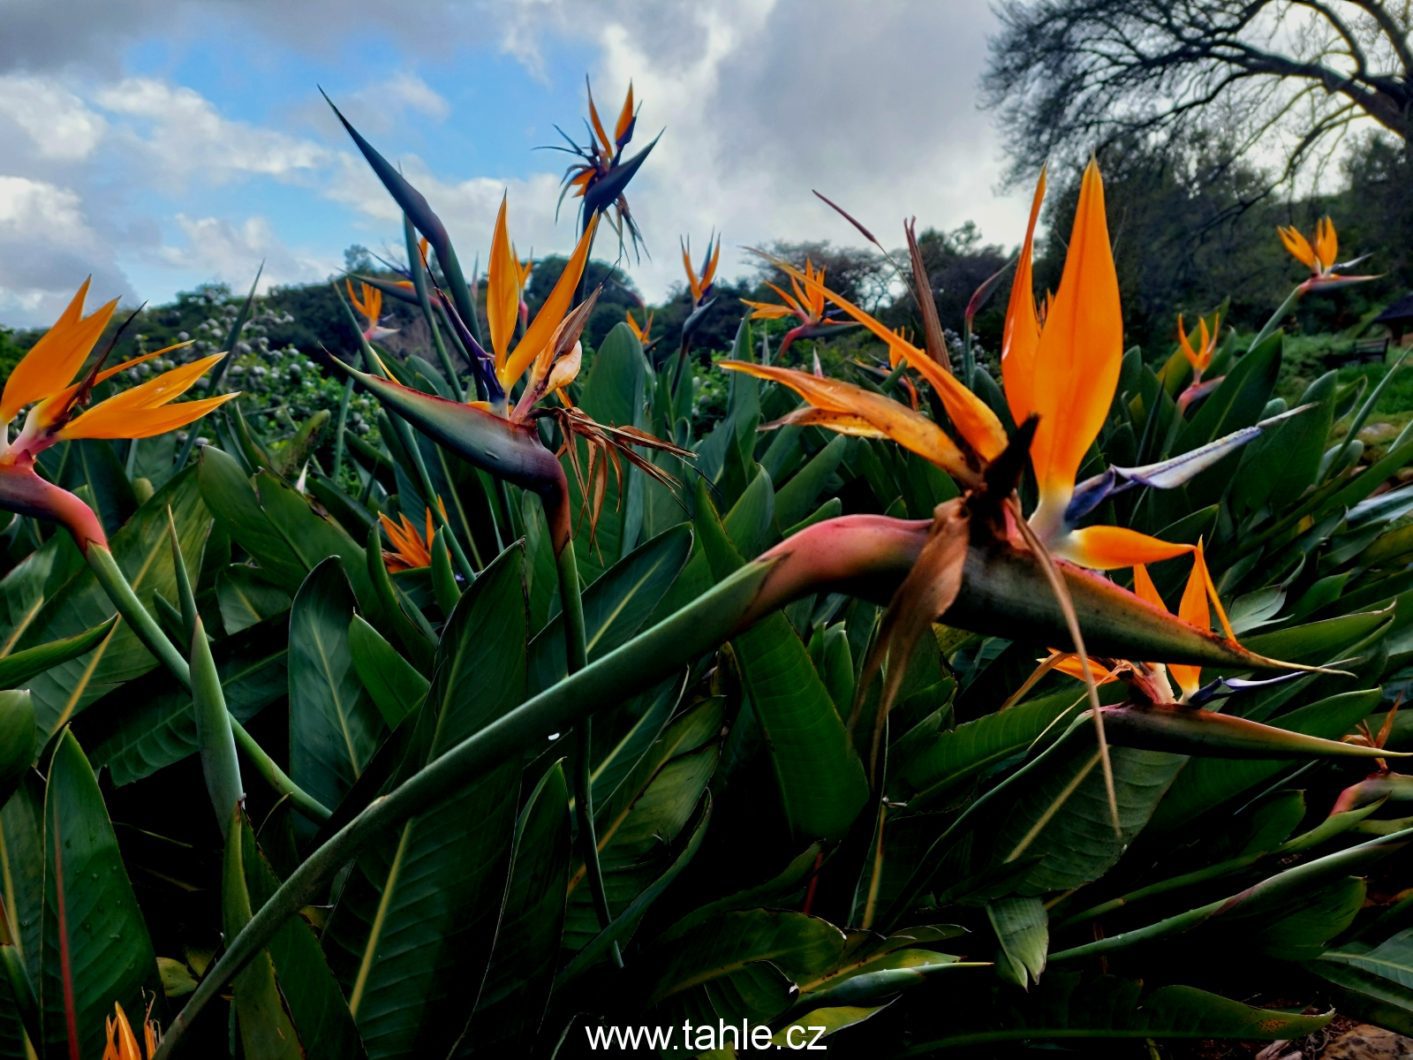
<point x="334" y="727"/>
<point x="393" y="682"/>
<point x="616" y="605"/>
<point x="1375" y="983"/>
<point x="615" y="394"/>
<point x="639" y="827"/>
<point x="20" y="666"/>
<point x="247" y="599"/>
<point x="512" y="1005"/>
<point x="29" y="585"/>
<point x="261" y="1018"/>
<point x="22" y="873"/>
<point x="144" y="554"/>
<point x="275" y="525"/>
<point x="972" y="748"/>
<point x="1067" y="1006"/>
<point x="308" y="989"/>
<point x="1206" y="785"/>
<point x="413" y="927"/>
<point x="96" y="947"/>
<point x="1023" y="935"/>
<point x="17" y="739"/>
<point x="148" y="724"/>
<point x="797" y="498"/>
<point x="798" y="945"/>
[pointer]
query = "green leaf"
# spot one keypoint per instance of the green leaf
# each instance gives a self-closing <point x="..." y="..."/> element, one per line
<point x="393" y="682"/>
<point x="798" y="945"/>
<point x="261" y="1017"/>
<point x="639" y="827"/>
<point x="512" y="1006"/>
<point x="334" y="728"/>
<point x="1023" y="934"/>
<point x="246" y="598"/>
<point x="795" y="499"/>
<point x="310" y="992"/>
<point x="416" y="920"/>
<point x="96" y="948"/>
<point x="17" y="739"/>
<point x="1068" y="1006"/>
<point x="964" y="753"/>
<point x="19" y="667"/>
<point x="616" y="605"/>
<point x="148" y="724"/>
<point x="213" y="731"/>
<point x="276" y="525"/>
<point x="143" y="552"/>
<point x="22" y="873"/>
<point x="29" y="585"/>
<point x="1206" y="785"/>
<point x="1375" y="984"/>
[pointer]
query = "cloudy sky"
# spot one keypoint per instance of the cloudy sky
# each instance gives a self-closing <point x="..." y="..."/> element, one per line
<point x="157" y="144"/>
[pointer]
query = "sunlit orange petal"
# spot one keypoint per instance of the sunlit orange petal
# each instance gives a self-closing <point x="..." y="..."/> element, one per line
<point x="1326" y="243"/>
<point x="502" y="289"/>
<point x="1112" y="547"/>
<point x="1143" y="587"/>
<point x="141" y="423"/>
<point x="597" y="124"/>
<point x="972" y="417"/>
<point x="625" y="116"/>
<point x="1081" y="348"/>
<point x="112" y="418"/>
<point x="909" y="429"/>
<point x="1020" y="336"/>
<point x="710" y="272"/>
<point x="1298" y="246"/>
<point x="1199" y="560"/>
<point x="1070" y="665"/>
<point x="839" y="422"/>
<point x="767" y="310"/>
<point x="55" y="359"/>
<point x="693" y="284"/>
<point x="555" y="306"/>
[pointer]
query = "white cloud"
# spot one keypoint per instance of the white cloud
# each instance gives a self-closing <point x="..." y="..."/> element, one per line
<point x="182" y="136"/>
<point x="47" y="247"/>
<point x="59" y="126"/>
<point x="230" y="251"/>
<point x="762" y="101"/>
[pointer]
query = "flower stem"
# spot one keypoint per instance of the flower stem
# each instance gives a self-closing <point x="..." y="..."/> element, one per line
<point x="136" y="614"/>
<point x="1274" y="322"/>
<point x="576" y="658"/>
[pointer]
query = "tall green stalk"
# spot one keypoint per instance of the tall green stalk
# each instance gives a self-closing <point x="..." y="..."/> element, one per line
<point x="1275" y="319"/>
<point x="576" y="658"/>
<point x="135" y="613"/>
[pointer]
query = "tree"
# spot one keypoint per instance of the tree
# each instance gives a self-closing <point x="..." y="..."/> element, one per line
<point x="1071" y="75"/>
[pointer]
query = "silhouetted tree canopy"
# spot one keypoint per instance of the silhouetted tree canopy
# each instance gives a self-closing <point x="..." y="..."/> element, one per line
<point x="1071" y="75"/>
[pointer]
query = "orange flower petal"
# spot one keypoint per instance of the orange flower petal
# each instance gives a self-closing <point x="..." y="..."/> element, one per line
<point x="1112" y="547"/>
<point x="502" y="289"/>
<point x="597" y="124"/>
<point x="1298" y="246"/>
<point x="972" y="417"/>
<point x="1081" y="347"/>
<point x="555" y="306"/>
<point x="910" y="429"/>
<point x="1326" y="243"/>
<point x="625" y="116"/>
<point x="129" y="410"/>
<point x="693" y="284"/>
<point x="1020" y="336"/>
<point x="55" y="359"/>
<point x="142" y="423"/>
<point x="1144" y="589"/>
